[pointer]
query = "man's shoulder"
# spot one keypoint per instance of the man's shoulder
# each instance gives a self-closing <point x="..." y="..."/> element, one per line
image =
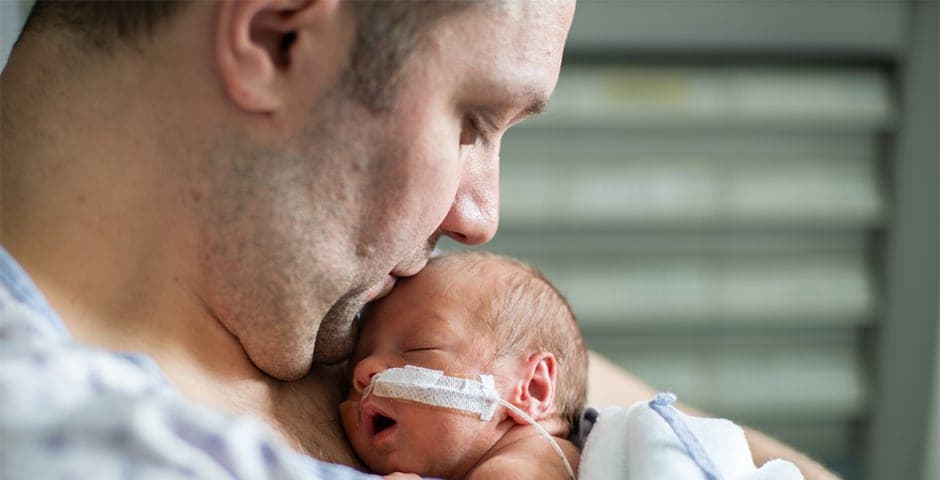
<point x="40" y="359"/>
<point x="25" y="315"/>
<point x="78" y="410"/>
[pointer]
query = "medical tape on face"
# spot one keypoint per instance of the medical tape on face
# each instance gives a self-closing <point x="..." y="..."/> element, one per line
<point x="432" y="387"/>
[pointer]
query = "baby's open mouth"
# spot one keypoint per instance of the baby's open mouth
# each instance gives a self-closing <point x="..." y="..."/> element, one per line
<point x="377" y="421"/>
<point x="380" y="423"/>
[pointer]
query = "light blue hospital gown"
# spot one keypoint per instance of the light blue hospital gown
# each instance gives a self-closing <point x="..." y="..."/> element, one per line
<point x="69" y="411"/>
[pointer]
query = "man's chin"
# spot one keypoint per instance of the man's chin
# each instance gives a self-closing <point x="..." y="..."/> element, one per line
<point x="337" y="335"/>
<point x="333" y="354"/>
<point x="276" y="365"/>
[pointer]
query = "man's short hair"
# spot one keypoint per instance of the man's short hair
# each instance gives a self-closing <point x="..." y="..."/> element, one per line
<point x="387" y="32"/>
<point x="528" y="314"/>
<point x="102" y="25"/>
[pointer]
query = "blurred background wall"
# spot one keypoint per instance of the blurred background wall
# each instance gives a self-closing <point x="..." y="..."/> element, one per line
<point x="740" y="200"/>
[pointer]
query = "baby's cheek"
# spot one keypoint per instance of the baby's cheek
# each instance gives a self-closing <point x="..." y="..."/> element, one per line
<point x="349" y="415"/>
<point x="457" y="437"/>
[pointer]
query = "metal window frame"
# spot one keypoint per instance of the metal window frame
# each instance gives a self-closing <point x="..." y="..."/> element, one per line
<point x="906" y="342"/>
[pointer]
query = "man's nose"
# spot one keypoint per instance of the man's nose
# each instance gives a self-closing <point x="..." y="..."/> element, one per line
<point x="474" y="215"/>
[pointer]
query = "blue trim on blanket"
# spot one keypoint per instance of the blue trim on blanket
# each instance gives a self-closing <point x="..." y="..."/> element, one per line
<point x="662" y="405"/>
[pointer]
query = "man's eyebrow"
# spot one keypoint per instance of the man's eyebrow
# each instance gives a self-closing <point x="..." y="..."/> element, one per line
<point x="536" y="107"/>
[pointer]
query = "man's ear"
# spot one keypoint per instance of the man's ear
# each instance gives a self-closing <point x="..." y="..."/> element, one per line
<point x="534" y="393"/>
<point x="254" y="46"/>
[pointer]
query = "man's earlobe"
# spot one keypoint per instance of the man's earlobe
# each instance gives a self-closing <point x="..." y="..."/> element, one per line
<point x="535" y="392"/>
<point x="253" y="44"/>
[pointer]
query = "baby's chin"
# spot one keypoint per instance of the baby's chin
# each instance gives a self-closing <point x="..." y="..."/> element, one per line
<point x="388" y="464"/>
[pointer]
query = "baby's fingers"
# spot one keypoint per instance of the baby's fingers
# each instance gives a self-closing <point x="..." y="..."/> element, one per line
<point x="402" y="476"/>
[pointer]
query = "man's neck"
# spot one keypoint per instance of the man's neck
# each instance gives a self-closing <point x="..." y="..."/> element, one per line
<point x="92" y="214"/>
<point x="121" y="295"/>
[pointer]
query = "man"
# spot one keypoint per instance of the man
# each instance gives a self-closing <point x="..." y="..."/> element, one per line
<point x="222" y="187"/>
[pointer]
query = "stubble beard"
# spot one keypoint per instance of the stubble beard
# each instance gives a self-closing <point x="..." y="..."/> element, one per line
<point x="270" y="252"/>
<point x="287" y="273"/>
<point x="338" y="332"/>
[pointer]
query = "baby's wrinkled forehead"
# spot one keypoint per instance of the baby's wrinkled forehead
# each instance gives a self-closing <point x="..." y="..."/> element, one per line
<point x="480" y="291"/>
<point x="485" y="271"/>
<point x="478" y="280"/>
<point x="499" y="289"/>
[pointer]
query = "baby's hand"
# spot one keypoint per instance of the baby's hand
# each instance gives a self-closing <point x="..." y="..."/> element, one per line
<point x="402" y="476"/>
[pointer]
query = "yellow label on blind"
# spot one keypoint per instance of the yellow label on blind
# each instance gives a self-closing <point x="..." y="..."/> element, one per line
<point x="646" y="87"/>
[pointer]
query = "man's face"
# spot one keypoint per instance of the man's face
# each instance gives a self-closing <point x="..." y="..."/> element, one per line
<point x="324" y="223"/>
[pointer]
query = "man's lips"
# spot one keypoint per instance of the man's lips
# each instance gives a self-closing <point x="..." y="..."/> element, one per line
<point x="405" y="269"/>
<point x="380" y="289"/>
<point x="411" y="268"/>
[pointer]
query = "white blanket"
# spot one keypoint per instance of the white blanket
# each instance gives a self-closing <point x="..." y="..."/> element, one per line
<point x="638" y="443"/>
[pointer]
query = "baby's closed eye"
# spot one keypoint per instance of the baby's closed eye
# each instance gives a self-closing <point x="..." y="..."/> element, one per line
<point x="420" y="353"/>
<point x="424" y="349"/>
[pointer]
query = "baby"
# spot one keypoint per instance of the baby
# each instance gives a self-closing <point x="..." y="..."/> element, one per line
<point x="469" y="314"/>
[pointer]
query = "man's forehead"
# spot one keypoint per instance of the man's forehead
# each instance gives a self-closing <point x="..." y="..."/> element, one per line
<point x="513" y="38"/>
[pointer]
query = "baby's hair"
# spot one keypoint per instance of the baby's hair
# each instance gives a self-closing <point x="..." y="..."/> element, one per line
<point x="528" y="314"/>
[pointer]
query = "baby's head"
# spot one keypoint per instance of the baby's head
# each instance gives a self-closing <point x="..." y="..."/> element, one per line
<point x="467" y="314"/>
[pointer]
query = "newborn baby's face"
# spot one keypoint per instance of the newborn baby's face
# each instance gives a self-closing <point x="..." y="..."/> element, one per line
<point x="425" y="325"/>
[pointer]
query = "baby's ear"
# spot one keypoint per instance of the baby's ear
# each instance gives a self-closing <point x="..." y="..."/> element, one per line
<point x="534" y="393"/>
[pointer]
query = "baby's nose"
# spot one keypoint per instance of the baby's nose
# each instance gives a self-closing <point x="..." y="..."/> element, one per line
<point x="365" y="370"/>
